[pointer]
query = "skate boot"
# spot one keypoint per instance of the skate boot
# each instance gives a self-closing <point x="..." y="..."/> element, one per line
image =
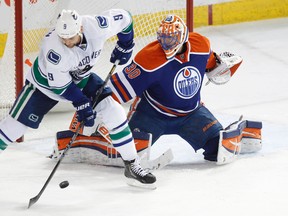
<point x="133" y="170"/>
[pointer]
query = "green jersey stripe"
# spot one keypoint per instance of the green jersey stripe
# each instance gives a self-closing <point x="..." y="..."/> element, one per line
<point x="126" y="131"/>
<point x="22" y="100"/>
<point x="3" y="145"/>
<point x="42" y="81"/>
<point x="129" y="27"/>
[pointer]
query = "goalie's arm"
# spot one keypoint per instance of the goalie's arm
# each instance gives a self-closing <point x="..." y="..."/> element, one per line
<point x="220" y="68"/>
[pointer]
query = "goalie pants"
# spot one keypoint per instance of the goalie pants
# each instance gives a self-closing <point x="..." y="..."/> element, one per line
<point x="199" y="128"/>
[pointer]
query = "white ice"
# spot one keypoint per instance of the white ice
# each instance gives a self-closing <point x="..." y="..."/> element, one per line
<point x="256" y="184"/>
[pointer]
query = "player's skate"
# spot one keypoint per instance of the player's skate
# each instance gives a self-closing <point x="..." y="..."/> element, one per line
<point x="135" y="174"/>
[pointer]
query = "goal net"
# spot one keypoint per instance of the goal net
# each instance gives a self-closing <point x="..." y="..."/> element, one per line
<point x="39" y="16"/>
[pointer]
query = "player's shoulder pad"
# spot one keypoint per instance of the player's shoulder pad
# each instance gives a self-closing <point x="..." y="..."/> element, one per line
<point x="151" y="57"/>
<point x="199" y="43"/>
<point x="53" y="49"/>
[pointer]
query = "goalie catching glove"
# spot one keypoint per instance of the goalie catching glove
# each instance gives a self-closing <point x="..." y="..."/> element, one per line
<point x="226" y="65"/>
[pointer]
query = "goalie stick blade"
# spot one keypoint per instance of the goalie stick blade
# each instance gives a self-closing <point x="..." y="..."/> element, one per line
<point x="159" y="162"/>
<point x="137" y="184"/>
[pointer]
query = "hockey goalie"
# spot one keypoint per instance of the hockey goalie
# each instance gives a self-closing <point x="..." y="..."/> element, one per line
<point x="165" y="79"/>
<point x="240" y="137"/>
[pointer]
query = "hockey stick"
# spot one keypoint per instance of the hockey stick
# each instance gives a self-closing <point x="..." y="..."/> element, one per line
<point x="99" y="91"/>
<point x="158" y="163"/>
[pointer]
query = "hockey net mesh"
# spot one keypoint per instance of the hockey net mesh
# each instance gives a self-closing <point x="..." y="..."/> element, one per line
<point x="39" y="16"/>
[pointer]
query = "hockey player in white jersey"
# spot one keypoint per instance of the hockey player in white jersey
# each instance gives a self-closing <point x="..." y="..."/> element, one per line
<point x="63" y="72"/>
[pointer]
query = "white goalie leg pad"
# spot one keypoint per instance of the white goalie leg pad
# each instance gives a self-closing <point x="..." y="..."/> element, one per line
<point x="251" y="137"/>
<point x="241" y="137"/>
<point x="94" y="150"/>
<point x="97" y="150"/>
<point x="229" y="147"/>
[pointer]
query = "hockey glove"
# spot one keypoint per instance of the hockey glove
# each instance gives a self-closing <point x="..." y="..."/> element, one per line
<point x="227" y="64"/>
<point x="122" y="52"/>
<point x="85" y="112"/>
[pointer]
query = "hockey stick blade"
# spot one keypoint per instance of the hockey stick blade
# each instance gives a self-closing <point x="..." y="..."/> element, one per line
<point x="158" y="163"/>
<point x="33" y="200"/>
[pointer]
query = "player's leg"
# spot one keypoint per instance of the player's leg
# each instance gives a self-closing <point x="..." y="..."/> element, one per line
<point x="113" y="115"/>
<point x="201" y="130"/>
<point x="10" y="131"/>
<point x="90" y="90"/>
<point x="28" y="110"/>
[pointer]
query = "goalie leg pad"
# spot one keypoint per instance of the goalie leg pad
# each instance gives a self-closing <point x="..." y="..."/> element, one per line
<point x="96" y="149"/>
<point x="229" y="147"/>
<point x="242" y="137"/>
<point x="251" y="137"/>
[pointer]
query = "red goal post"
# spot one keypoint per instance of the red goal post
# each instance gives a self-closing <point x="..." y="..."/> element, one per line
<point x="29" y="20"/>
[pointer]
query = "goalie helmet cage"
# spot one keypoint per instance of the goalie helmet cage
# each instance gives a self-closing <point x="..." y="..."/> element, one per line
<point x="30" y="20"/>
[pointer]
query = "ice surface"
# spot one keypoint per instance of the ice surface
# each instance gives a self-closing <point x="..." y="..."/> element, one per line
<point x="253" y="185"/>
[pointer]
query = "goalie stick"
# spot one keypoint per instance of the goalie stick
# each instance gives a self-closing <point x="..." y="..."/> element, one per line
<point x="158" y="163"/>
<point x="99" y="91"/>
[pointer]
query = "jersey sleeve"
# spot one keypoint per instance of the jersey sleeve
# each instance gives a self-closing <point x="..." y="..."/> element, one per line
<point x="115" y="22"/>
<point x="140" y="75"/>
<point x="211" y="63"/>
<point x="130" y="82"/>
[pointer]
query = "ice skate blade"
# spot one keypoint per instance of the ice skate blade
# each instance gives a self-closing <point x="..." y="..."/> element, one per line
<point x="137" y="184"/>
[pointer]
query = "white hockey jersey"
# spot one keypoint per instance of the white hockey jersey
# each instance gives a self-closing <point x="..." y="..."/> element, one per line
<point x="57" y="65"/>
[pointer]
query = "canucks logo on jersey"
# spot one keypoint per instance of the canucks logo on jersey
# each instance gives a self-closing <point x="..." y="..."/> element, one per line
<point x="187" y="82"/>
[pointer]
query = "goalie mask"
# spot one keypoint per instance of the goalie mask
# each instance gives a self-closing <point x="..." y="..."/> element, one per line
<point x="172" y="34"/>
<point x="68" y="24"/>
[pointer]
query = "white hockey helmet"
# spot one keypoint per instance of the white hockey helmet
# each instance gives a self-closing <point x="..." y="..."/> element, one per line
<point x="68" y="24"/>
<point x="172" y="34"/>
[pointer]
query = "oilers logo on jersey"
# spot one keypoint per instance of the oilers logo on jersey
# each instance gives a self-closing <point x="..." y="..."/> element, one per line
<point x="187" y="82"/>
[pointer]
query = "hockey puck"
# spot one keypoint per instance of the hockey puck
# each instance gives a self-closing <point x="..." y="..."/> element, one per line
<point x="64" y="184"/>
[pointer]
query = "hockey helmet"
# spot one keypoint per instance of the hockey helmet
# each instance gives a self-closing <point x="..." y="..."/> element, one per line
<point x="172" y="34"/>
<point x="68" y="24"/>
